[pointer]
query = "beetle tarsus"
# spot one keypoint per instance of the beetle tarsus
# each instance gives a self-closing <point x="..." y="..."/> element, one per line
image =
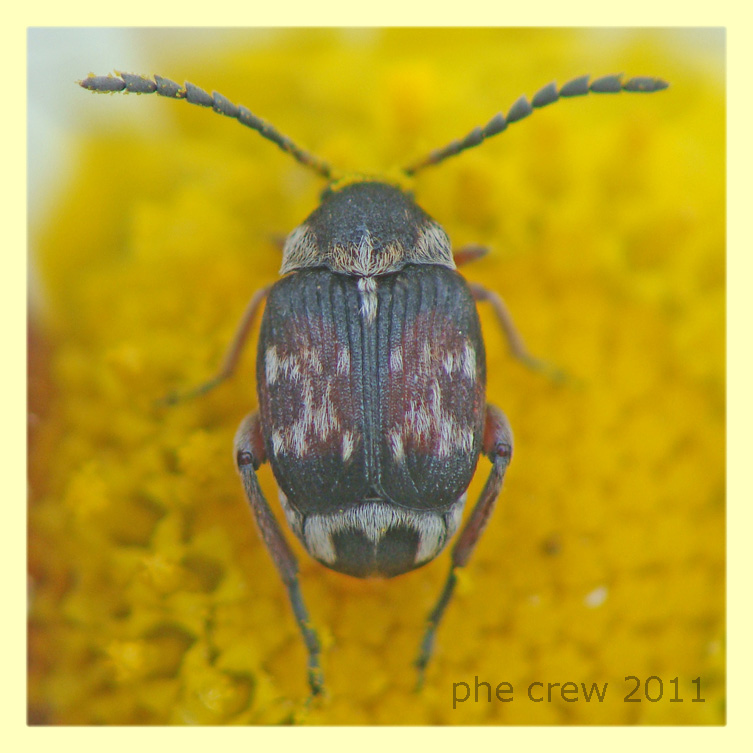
<point x="173" y="398"/>
<point x="316" y="680"/>
<point x="249" y="445"/>
<point x="427" y="644"/>
<point x="497" y="446"/>
<point x="548" y="369"/>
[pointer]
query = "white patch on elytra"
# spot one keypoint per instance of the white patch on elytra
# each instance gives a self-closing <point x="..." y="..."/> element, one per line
<point x="428" y="419"/>
<point x="317" y="417"/>
<point x="462" y="362"/>
<point x="347" y="445"/>
<point x="396" y="359"/>
<point x="448" y="363"/>
<point x="295" y="438"/>
<point x="277" y="442"/>
<point x="426" y="356"/>
<point x="312" y="360"/>
<point x="469" y="361"/>
<point x="396" y="446"/>
<point x="343" y="362"/>
<point x="274" y="365"/>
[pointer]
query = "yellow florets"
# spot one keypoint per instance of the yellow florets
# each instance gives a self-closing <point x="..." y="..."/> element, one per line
<point x="153" y="598"/>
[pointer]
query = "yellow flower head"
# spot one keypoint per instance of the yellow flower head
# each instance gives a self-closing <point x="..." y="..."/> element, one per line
<point x="153" y="598"/>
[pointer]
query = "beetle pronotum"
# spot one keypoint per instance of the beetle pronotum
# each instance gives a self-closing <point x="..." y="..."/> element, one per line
<point x="371" y="373"/>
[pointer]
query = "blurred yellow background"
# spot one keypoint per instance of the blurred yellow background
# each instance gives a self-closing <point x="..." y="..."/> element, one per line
<point x="154" y="601"/>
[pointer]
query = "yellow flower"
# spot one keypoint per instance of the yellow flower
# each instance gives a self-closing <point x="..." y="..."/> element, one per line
<point x="154" y="600"/>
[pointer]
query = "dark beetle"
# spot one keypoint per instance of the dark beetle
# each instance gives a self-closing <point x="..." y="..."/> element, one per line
<point x="371" y="372"/>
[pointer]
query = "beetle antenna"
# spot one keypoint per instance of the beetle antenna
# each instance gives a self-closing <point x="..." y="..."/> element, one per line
<point x="129" y="82"/>
<point x="523" y="108"/>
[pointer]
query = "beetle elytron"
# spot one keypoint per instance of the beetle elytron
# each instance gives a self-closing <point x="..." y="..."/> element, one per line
<point x="371" y="372"/>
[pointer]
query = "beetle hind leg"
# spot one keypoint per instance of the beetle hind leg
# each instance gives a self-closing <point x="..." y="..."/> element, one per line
<point x="497" y="446"/>
<point x="249" y="455"/>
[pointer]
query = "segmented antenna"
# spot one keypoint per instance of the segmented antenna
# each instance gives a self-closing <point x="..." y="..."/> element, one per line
<point x="523" y="108"/>
<point x="194" y="95"/>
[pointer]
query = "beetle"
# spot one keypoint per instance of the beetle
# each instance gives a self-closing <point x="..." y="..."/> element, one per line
<point x="371" y="373"/>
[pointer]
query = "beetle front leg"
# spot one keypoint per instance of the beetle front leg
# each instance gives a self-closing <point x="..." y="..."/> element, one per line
<point x="249" y="455"/>
<point x="468" y="253"/>
<point x="497" y="446"/>
<point x="232" y="354"/>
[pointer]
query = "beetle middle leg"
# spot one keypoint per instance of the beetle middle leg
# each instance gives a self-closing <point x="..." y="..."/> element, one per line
<point x="497" y="446"/>
<point x="232" y="354"/>
<point x="249" y="455"/>
<point x="515" y="340"/>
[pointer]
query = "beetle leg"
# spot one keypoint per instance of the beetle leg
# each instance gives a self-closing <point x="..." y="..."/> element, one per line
<point x="497" y="446"/>
<point x="232" y="354"/>
<point x="468" y="253"/>
<point x="249" y="455"/>
<point x="278" y="240"/>
<point x="514" y="339"/>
